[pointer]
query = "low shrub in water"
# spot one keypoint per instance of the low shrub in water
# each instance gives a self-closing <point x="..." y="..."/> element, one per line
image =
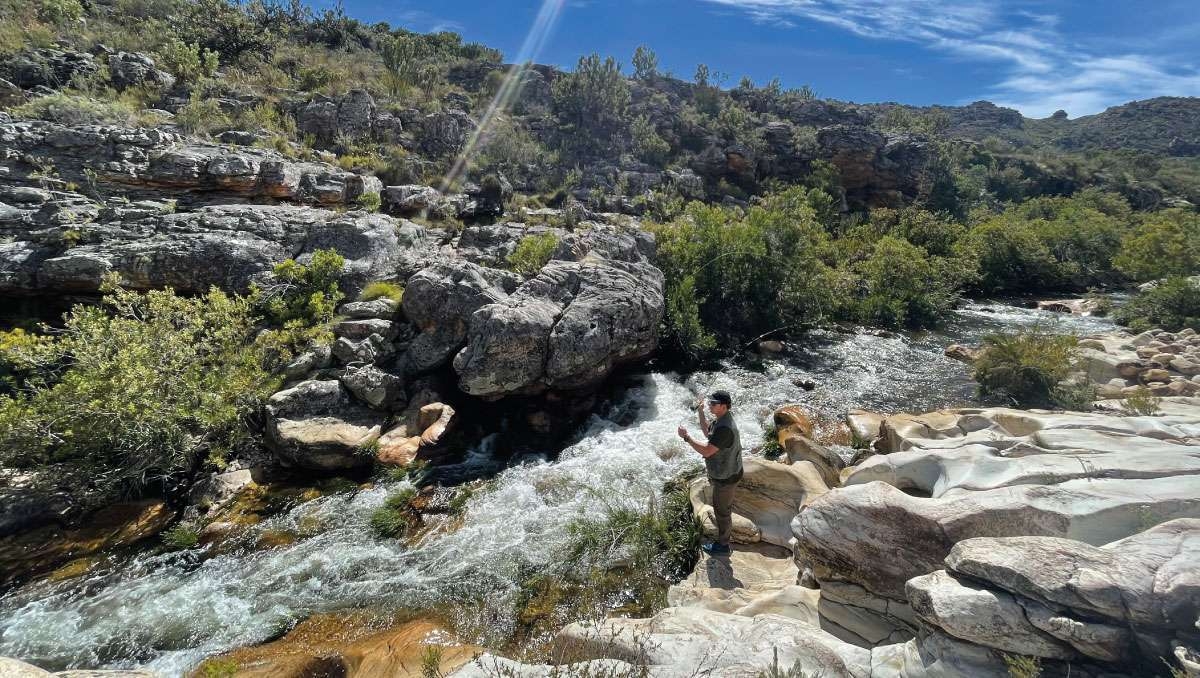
<point x="394" y="518"/>
<point x="1025" y="367"/>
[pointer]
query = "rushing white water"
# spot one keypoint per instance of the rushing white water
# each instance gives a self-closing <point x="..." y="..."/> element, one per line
<point x="167" y="612"/>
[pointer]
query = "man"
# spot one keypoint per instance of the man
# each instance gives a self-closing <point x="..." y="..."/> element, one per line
<point x="723" y="461"/>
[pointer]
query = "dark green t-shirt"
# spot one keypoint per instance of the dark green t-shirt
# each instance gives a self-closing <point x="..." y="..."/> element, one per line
<point x="727" y="462"/>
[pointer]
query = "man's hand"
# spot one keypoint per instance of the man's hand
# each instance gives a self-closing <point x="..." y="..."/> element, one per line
<point x="700" y="405"/>
<point x="683" y="433"/>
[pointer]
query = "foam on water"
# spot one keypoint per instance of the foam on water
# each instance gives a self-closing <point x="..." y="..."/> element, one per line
<point x="168" y="612"/>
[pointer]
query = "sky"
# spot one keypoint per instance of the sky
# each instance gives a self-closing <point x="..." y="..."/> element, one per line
<point x="1037" y="57"/>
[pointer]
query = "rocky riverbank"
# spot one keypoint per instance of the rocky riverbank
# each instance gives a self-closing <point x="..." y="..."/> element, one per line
<point x="974" y="543"/>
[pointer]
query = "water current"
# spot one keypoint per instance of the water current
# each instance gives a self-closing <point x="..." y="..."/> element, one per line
<point x="168" y="611"/>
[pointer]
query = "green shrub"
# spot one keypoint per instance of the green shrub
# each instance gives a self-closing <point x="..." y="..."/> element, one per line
<point x="1141" y="403"/>
<point x="645" y="63"/>
<point x="771" y="449"/>
<point x="1166" y="243"/>
<point x="59" y="11"/>
<point x="370" y="202"/>
<point x="591" y="102"/>
<point x="715" y="259"/>
<point x="381" y="290"/>
<point x="136" y="390"/>
<point x="202" y="115"/>
<point x="1171" y="305"/>
<point x="1021" y="666"/>
<point x="305" y="292"/>
<point x="532" y="253"/>
<point x="187" y="61"/>
<point x="401" y="58"/>
<point x="1025" y="367"/>
<point x="1009" y="258"/>
<point x="181" y="537"/>
<point x="647" y="145"/>
<point x="905" y="287"/>
<point x="395" y="517"/>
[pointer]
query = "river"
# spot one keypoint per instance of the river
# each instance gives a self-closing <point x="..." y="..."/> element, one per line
<point x="168" y="611"/>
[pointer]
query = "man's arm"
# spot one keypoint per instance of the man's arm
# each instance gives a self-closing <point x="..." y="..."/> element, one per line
<point x="705" y="450"/>
<point x="703" y="419"/>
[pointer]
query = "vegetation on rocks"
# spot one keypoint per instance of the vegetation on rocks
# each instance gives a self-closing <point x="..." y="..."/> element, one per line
<point x="133" y="392"/>
<point x="1026" y="367"/>
<point x="1172" y="305"/>
<point x="532" y="253"/>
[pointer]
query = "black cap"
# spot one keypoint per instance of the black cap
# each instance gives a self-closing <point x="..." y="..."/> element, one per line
<point x="720" y="398"/>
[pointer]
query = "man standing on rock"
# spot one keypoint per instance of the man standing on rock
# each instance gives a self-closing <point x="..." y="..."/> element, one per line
<point x="723" y="461"/>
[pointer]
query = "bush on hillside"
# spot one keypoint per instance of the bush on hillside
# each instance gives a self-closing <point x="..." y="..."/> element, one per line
<point x="1025" y="367"/>
<point x="1171" y="305"/>
<point x="1165" y="243"/>
<point x="135" y="391"/>
<point x="1009" y="257"/>
<point x="591" y="102"/>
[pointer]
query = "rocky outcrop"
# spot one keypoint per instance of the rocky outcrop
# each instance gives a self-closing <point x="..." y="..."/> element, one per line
<point x="157" y="163"/>
<point x="353" y="115"/>
<point x="47" y="68"/>
<point x="134" y="69"/>
<point x="316" y="425"/>
<point x="440" y="301"/>
<point x="566" y="328"/>
<point x="877" y="169"/>
<point x="229" y="246"/>
<point x="25" y="552"/>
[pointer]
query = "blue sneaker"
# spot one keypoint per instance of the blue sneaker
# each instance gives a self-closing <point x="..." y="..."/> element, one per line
<point x="715" y="549"/>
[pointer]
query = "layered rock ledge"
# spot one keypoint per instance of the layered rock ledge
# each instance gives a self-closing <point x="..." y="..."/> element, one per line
<point x="976" y="538"/>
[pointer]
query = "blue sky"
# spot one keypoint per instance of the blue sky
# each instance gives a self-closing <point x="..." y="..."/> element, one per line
<point x="1034" y="56"/>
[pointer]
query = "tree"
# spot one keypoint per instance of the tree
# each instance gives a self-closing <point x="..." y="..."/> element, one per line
<point x="647" y="145"/>
<point x="645" y="63"/>
<point x="591" y="101"/>
<point x="1165" y="243"/>
<point x="401" y="58"/>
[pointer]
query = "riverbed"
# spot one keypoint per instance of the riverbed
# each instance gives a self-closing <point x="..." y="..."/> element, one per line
<point x="168" y="612"/>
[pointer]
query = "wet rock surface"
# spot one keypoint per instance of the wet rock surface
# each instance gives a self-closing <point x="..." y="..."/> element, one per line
<point x="964" y="544"/>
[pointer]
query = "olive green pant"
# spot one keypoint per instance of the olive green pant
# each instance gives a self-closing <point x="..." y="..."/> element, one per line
<point x="722" y="499"/>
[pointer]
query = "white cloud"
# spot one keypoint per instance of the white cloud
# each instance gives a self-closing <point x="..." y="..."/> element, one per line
<point x="1040" y="70"/>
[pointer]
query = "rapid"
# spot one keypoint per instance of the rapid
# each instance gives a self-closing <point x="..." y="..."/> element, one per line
<point x="168" y="611"/>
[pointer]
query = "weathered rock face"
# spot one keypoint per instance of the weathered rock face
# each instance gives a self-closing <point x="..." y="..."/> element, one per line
<point x="877" y="170"/>
<point x="159" y="163"/>
<point x="353" y="115"/>
<point x="35" y="551"/>
<point x="134" y="69"/>
<point x="50" y="68"/>
<point x="1053" y="535"/>
<point x="316" y="425"/>
<point x="566" y="328"/>
<point x="229" y="246"/>
<point x="440" y="301"/>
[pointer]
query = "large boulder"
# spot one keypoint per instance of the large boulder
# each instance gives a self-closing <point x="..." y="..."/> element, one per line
<point x="317" y="425"/>
<point x="879" y="537"/>
<point x="134" y="69"/>
<point x="566" y="328"/>
<point x="440" y="301"/>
